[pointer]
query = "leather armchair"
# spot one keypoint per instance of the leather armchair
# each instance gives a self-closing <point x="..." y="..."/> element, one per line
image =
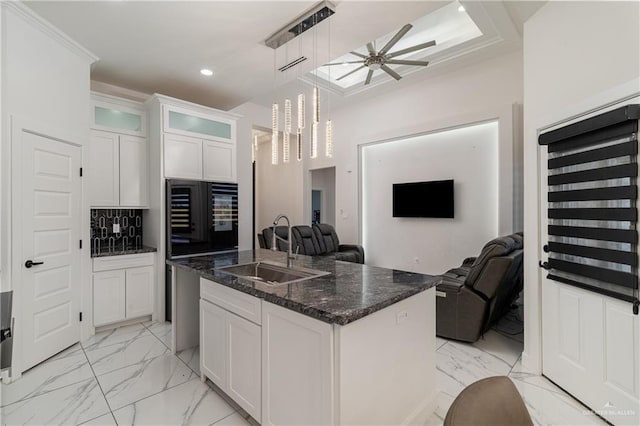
<point x="305" y="241"/>
<point x="282" y="232"/>
<point x="329" y="243"/>
<point x="473" y="296"/>
<point x="261" y="241"/>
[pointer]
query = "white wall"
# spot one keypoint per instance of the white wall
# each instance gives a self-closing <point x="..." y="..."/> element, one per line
<point x="577" y="56"/>
<point x="45" y="82"/>
<point x="252" y="115"/>
<point x="484" y="91"/>
<point x="469" y="156"/>
<point x="278" y="188"/>
<point x="325" y="180"/>
<point x="488" y="90"/>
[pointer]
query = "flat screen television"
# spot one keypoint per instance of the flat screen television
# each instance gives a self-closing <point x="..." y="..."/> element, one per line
<point x="423" y="199"/>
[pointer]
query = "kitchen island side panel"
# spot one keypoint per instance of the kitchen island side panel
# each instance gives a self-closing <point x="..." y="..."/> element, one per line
<point x="386" y="364"/>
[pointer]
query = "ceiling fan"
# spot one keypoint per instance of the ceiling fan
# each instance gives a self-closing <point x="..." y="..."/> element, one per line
<point x="379" y="60"/>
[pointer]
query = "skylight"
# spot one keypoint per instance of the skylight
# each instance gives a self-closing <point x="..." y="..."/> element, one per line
<point x="448" y="26"/>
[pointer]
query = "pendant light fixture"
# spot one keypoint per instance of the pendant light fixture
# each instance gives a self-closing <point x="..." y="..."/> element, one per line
<point x="329" y="127"/>
<point x="274" y="134"/>
<point x="287" y="131"/>
<point x="316" y="100"/>
<point x="309" y="20"/>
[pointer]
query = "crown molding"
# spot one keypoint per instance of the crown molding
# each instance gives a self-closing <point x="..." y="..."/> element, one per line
<point x="168" y="100"/>
<point x="27" y="14"/>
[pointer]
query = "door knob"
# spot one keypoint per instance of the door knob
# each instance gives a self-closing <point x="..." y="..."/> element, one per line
<point x="29" y="263"/>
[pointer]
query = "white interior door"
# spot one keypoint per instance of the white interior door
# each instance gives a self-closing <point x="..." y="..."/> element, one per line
<point x="590" y="340"/>
<point x="50" y="193"/>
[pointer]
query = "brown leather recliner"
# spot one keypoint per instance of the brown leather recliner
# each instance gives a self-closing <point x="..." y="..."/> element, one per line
<point x="477" y="293"/>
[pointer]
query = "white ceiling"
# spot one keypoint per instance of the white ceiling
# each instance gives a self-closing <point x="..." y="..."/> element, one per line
<point x="160" y="46"/>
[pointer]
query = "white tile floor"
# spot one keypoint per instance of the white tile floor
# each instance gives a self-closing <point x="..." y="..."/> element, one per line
<point x="129" y="376"/>
<point x="124" y="376"/>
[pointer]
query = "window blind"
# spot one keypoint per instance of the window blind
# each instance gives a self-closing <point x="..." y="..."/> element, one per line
<point x="592" y="192"/>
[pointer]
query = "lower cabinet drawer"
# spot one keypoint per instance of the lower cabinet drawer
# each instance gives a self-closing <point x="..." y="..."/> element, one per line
<point x="108" y="263"/>
<point x="239" y="303"/>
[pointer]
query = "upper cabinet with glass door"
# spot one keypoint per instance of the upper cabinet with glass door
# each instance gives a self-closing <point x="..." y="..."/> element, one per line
<point x="188" y="122"/>
<point x="117" y="115"/>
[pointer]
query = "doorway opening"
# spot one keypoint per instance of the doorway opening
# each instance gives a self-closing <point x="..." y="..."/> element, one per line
<point x="323" y="196"/>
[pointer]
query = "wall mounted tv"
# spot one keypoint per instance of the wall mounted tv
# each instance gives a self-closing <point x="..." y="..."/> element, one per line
<point x="423" y="199"/>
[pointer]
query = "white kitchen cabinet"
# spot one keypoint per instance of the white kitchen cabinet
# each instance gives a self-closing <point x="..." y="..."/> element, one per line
<point x="139" y="291"/>
<point x="213" y="339"/>
<point x="243" y="363"/>
<point x="118" y="170"/>
<point x="182" y="157"/>
<point x="219" y="160"/>
<point x="108" y="297"/>
<point x="104" y="158"/>
<point x="297" y="361"/>
<point x="186" y="157"/>
<point x="123" y="287"/>
<point x="133" y="174"/>
<point x="230" y="345"/>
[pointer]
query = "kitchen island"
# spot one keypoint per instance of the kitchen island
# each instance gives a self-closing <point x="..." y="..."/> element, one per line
<point x="354" y="346"/>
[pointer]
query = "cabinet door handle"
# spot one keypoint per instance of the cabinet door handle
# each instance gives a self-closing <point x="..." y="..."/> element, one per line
<point x="29" y="263"/>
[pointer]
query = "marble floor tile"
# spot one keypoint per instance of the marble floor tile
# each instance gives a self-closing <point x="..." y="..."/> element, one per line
<point x="443" y="403"/>
<point x="554" y="408"/>
<point x="120" y="355"/>
<point x="439" y="342"/>
<point x="191" y="403"/>
<point x="73" y="404"/>
<point x="68" y="367"/>
<point x="104" y="420"/>
<point x="130" y="384"/>
<point x="510" y="326"/>
<point x="191" y="357"/>
<point x="458" y="365"/>
<point x="162" y="330"/>
<point x="124" y="334"/>
<point x="496" y="344"/>
<point x="234" y="419"/>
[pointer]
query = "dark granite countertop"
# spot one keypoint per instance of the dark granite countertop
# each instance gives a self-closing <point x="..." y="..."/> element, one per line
<point x="120" y="251"/>
<point x="350" y="292"/>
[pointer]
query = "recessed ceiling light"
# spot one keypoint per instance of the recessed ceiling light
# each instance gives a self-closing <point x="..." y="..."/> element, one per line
<point x="461" y="8"/>
<point x="206" y="72"/>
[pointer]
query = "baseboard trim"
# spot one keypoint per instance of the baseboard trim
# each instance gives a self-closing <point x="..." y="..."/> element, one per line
<point x="420" y="415"/>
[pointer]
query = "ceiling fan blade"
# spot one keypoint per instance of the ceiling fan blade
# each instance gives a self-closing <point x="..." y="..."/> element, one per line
<point x="371" y="50"/>
<point x="406" y="62"/>
<point x="343" y="63"/>
<point x="350" y="72"/>
<point x="368" y="79"/>
<point x="411" y="49"/>
<point x="359" y="54"/>
<point x="396" y="38"/>
<point x="391" y="72"/>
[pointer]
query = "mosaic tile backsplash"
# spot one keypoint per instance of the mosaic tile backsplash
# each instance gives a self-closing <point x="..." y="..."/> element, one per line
<point x="103" y="237"/>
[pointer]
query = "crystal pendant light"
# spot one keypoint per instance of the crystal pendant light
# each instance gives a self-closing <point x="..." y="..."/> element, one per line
<point x="329" y="139"/>
<point x="314" y="140"/>
<point x="287" y="131"/>
<point x="274" y="134"/>
<point x="299" y="144"/>
<point x="301" y="107"/>
<point x="329" y="128"/>
<point x="254" y="148"/>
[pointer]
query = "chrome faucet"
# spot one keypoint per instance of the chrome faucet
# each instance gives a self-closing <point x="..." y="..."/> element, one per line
<point x="276" y="237"/>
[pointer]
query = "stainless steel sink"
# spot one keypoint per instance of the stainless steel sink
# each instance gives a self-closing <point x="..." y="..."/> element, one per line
<point x="271" y="273"/>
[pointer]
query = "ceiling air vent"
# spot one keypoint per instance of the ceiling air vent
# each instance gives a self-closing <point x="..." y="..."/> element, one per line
<point x="302" y="23"/>
<point x="292" y="63"/>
